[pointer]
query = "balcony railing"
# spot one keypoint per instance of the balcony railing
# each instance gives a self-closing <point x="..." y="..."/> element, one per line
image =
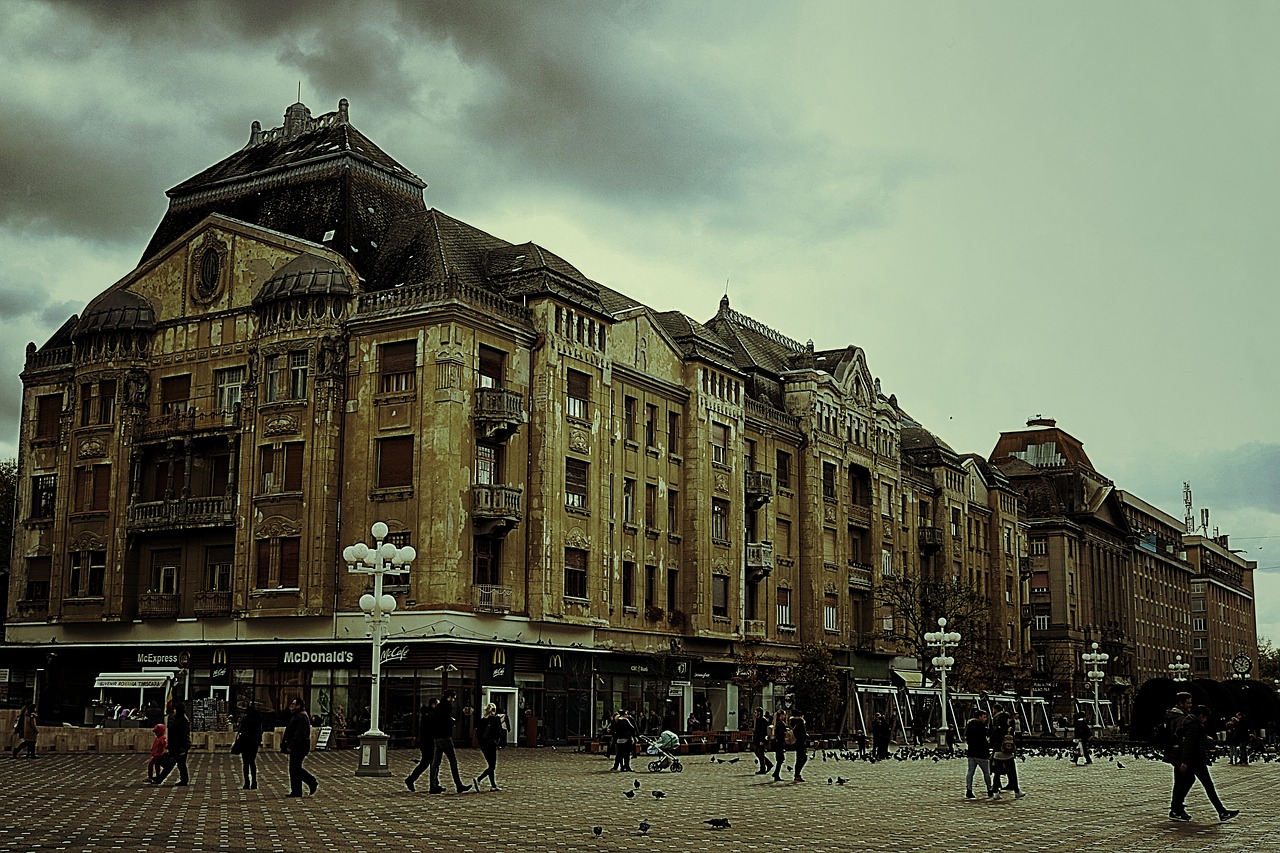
<point x="860" y="514"/>
<point x="191" y="420"/>
<point x="930" y="539"/>
<point x="212" y="603"/>
<point x="158" y="605"/>
<point x="759" y="560"/>
<point x="498" y="413"/>
<point x="754" y="628"/>
<point x="183" y="513"/>
<point x="496" y="509"/>
<point x="859" y="575"/>
<point x="759" y="488"/>
<point x="491" y="598"/>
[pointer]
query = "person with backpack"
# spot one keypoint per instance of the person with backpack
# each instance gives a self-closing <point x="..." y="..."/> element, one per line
<point x="1195" y="749"/>
<point x="1004" y="748"/>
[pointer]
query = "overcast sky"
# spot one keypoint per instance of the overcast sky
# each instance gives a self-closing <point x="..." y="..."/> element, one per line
<point x="1014" y="208"/>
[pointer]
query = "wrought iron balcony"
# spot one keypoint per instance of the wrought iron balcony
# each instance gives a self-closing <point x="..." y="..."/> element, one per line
<point x="496" y="509"/>
<point x="183" y="513"/>
<point x="759" y="489"/>
<point x="859" y="575"/>
<point x="190" y="421"/>
<point x="212" y="603"/>
<point x="158" y="605"/>
<point x="491" y="598"/>
<point x="498" y="413"/>
<point x="930" y="539"/>
<point x="759" y="560"/>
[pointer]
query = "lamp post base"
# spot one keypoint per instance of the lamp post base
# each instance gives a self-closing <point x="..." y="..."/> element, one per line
<point x="373" y="755"/>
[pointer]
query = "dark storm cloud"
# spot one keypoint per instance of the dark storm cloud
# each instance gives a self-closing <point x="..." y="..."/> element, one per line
<point x="27" y="313"/>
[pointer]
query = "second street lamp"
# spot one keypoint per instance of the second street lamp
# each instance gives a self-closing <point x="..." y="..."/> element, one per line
<point x="1178" y="669"/>
<point x="943" y="640"/>
<point x="1097" y="660"/>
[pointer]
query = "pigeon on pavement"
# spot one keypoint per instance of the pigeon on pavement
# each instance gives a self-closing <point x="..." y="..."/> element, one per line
<point x="718" y="822"/>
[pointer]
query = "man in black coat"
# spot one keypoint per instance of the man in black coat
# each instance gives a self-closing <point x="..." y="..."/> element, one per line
<point x="978" y="748"/>
<point x="426" y="741"/>
<point x="443" y="743"/>
<point x="179" y="733"/>
<point x="760" y="740"/>
<point x="1195" y="745"/>
<point x="297" y="743"/>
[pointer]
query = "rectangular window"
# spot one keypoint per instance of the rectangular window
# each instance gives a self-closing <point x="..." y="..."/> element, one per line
<point x="1042" y="621"/>
<point x="290" y="548"/>
<point x="886" y="563"/>
<point x="650" y="505"/>
<point x="286" y="375"/>
<point x="673" y="590"/>
<point x="828" y="481"/>
<point x="673" y="511"/>
<point x="93" y="489"/>
<point x="44" y="494"/>
<point x="830" y="614"/>
<point x="75" y="574"/>
<point x="1198" y="624"/>
<point x="217" y="561"/>
<point x="748" y="455"/>
<point x="784" y="608"/>
<point x="97" y="402"/>
<point x="1039" y="581"/>
<point x="629" y="418"/>
<point x="492" y="367"/>
<point x="48" y="415"/>
<point x="175" y="391"/>
<point x="487" y="570"/>
<point x="97" y="573"/>
<point x="1197" y="605"/>
<point x="1200" y="644"/>
<point x="579" y="395"/>
<point x="650" y="425"/>
<point x="1038" y="547"/>
<point x="487" y="465"/>
<point x="165" y="566"/>
<point x="397" y="366"/>
<point x="575" y="483"/>
<point x="1008" y="590"/>
<point x="719" y="519"/>
<point x="782" y="469"/>
<point x="228" y="385"/>
<point x="955" y="522"/>
<point x="575" y="573"/>
<point x="782" y="537"/>
<point x="263" y="564"/>
<point x="37" y="588"/>
<point x="719" y="595"/>
<point x="628" y="500"/>
<point x="650" y="585"/>
<point x="628" y="584"/>
<point x="719" y="443"/>
<point x="828" y="545"/>
<point x="281" y="468"/>
<point x="673" y="432"/>
<point x="395" y="462"/>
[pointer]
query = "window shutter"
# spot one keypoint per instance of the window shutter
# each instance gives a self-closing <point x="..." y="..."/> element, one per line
<point x="400" y="357"/>
<point x="264" y="564"/>
<point x="395" y="461"/>
<point x="289" y="550"/>
<point x="101" y="487"/>
<point x="293" y="467"/>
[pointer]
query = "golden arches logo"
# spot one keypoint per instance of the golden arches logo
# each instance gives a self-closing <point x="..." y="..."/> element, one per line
<point x="555" y="662"/>
<point x="499" y="657"/>
<point x="220" y="657"/>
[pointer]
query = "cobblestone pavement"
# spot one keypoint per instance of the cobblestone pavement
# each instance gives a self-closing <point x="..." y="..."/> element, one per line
<point x="551" y="800"/>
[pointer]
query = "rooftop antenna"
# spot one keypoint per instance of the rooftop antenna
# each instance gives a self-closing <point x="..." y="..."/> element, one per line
<point x="1190" y="520"/>
<point x="1204" y="520"/>
<point x="299" y="91"/>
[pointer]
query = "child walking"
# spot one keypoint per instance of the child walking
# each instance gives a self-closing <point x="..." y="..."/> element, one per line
<point x="159" y="747"/>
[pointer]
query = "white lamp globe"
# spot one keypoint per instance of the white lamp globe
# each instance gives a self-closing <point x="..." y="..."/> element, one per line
<point x="359" y="551"/>
<point x="387" y="550"/>
<point x="408" y="554"/>
<point x="366" y="603"/>
<point x="379" y="530"/>
<point x="387" y="603"/>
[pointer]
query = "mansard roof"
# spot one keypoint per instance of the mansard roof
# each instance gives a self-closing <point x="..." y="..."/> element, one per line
<point x="694" y="339"/>
<point x="755" y="346"/>
<point x="305" y="274"/>
<point x="319" y="179"/>
<point x="1044" y="445"/>
<point x="116" y="311"/>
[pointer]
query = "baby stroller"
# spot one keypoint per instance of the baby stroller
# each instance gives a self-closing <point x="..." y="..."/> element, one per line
<point x="661" y="748"/>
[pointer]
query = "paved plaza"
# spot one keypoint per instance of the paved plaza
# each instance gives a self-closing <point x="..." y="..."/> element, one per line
<point x="551" y="800"/>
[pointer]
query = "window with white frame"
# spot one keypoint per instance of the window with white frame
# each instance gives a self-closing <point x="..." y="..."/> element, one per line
<point x="575" y="483"/>
<point x="830" y="614"/>
<point x="578" y="399"/>
<point x="229" y="385"/>
<point x="719" y="443"/>
<point x="784" y="608"/>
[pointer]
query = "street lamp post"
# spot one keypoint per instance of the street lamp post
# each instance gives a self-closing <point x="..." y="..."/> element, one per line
<point x="384" y="558"/>
<point x="943" y="640"/>
<point x="1178" y="669"/>
<point x="1096" y="659"/>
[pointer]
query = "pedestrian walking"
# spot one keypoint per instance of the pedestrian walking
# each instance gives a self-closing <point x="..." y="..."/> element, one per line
<point x="159" y="746"/>
<point x="760" y="740"/>
<point x="297" y="743"/>
<point x="978" y="748"/>
<point x="1238" y="739"/>
<point x="623" y="731"/>
<point x="489" y="736"/>
<point x="26" y="727"/>
<point x="179" y="734"/>
<point x="800" y="736"/>
<point x="1004" y="752"/>
<point x="779" y="736"/>
<point x="880" y="737"/>
<point x="426" y="741"/>
<point x="443" y="744"/>
<point x="249" y="741"/>
<point x="1195" y="751"/>
<point x="1083" y="734"/>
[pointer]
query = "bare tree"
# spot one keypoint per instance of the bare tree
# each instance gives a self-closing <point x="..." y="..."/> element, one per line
<point x="917" y="605"/>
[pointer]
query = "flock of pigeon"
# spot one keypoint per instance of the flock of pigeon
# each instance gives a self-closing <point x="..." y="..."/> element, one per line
<point x="1110" y="753"/>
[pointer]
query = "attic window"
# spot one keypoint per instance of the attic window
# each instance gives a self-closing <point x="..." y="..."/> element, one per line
<point x="207" y="280"/>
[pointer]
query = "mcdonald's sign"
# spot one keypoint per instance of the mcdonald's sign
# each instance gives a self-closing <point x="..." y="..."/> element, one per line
<point x="555" y="661"/>
<point x="500" y="673"/>
<point x="219" y="672"/>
